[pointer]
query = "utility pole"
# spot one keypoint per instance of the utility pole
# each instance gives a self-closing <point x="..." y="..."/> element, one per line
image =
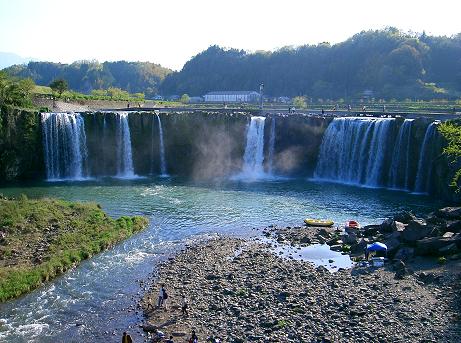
<point x="261" y="88"/>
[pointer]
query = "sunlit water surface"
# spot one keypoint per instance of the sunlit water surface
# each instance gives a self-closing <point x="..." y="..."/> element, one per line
<point x="92" y="302"/>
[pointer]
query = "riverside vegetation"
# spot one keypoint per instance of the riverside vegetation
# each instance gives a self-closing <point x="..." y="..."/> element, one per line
<point x="40" y="239"/>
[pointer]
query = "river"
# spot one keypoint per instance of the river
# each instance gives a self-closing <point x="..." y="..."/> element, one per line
<point x="96" y="301"/>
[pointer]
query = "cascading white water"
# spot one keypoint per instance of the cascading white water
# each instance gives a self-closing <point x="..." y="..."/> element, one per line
<point x="426" y="156"/>
<point x="399" y="171"/>
<point x="254" y="150"/>
<point x="64" y="146"/>
<point x="124" y="155"/>
<point x="271" y="146"/>
<point x="163" y="170"/>
<point x="377" y="153"/>
<point x="354" y="150"/>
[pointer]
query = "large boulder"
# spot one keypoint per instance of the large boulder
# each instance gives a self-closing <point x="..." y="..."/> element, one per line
<point x="359" y="248"/>
<point x="404" y="253"/>
<point x="391" y="225"/>
<point x="454" y="226"/>
<point x="393" y="245"/>
<point x="400" y="270"/>
<point x="349" y="239"/>
<point x="449" y="213"/>
<point x="449" y="249"/>
<point x="370" y="230"/>
<point x="432" y="245"/>
<point x="404" y="217"/>
<point x="416" y="230"/>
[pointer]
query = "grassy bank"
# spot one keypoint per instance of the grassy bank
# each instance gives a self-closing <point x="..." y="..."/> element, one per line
<point x="40" y="239"/>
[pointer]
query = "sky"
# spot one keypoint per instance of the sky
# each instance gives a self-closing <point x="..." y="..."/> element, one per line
<point x="170" y="32"/>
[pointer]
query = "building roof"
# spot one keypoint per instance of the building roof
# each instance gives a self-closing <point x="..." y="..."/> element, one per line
<point x="232" y="93"/>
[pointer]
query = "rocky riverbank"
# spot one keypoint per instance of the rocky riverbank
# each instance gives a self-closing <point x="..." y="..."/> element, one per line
<point x="241" y="291"/>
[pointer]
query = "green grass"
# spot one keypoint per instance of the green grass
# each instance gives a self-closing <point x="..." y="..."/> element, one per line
<point x="42" y="90"/>
<point x="66" y="233"/>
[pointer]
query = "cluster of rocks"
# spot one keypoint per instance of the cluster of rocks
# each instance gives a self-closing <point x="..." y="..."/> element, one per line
<point x="439" y="234"/>
<point x="240" y="291"/>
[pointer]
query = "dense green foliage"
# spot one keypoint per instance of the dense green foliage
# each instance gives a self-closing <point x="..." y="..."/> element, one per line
<point x="43" y="238"/>
<point x="386" y="63"/>
<point x="15" y="92"/>
<point x="86" y="76"/>
<point x="451" y="131"/>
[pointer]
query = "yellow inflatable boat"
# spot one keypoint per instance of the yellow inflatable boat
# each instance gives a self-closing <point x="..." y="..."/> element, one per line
<point x="318" y="222"/>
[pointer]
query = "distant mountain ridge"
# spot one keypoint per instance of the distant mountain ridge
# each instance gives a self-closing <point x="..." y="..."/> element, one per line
<point x="8" y="59"/>
<point x="85" y="76"/>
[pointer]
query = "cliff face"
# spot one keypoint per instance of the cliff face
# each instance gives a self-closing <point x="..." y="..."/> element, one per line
<point x="21" y="151"/>
<point x="198" y="145"/>
<point x="203" y="145"/>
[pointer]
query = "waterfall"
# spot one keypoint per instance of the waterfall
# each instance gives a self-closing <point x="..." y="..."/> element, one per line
<point x="124" y="156"/>
<point x="271" y="146"/>
<point x="354" y="151"/>
<point x="377" y="153"/>
<point x="254" y="150"/>
<point x="426" y="157"/>
<point x="163" y="171"/>
<point x="399" y="172"/>
<point x="64" y="146"/>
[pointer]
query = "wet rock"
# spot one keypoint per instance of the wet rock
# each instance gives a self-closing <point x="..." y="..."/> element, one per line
<point x="449" y="249"/>
<point x="389" y="225"/>
<point x="370" y="230"/>
<point x="415" y="230"/>
<point x="360" y="246"/>
<point x="306" y="240"/>
<point x="449" y="213"/>
<point x="148" y="328"/>
<point x="448" y="234"/>
<point x="321" y="269"/>
<point x="349" y="239"/>
<point x="404" y="253"/>
<point x="336" y="247"/>
<point x="428" y="277"/>
<point x="454" y="226"/>
<point x="431" y="245"/>
<point x="393" y="245"/>
<point x="404" y="217"/>
<point x="400" y="270"/>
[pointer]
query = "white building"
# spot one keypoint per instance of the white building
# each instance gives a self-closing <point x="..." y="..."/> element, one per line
<point x="232" y="96"/>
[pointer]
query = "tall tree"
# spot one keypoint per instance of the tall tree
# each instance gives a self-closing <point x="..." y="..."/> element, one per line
<point x="59" y="86"/>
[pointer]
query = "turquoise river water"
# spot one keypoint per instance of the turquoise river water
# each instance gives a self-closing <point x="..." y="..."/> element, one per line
<point x="96" y="302"/>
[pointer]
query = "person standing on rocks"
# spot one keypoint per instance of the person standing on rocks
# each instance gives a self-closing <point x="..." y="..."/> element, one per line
<point x="170" y="340"/>
<point x="184" y="306"/>
<point x="193" y="338"/>
<point x="162" y="296"/>
<point x="126" y="338"/>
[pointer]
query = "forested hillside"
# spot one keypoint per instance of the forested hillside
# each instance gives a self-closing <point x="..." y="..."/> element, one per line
<point x="385" y="63"/>
<point x="85" y="76"/>
<point x="388" y="62"/>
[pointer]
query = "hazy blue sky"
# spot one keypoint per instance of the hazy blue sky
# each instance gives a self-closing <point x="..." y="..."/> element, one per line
<point x="170" y="32"/>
